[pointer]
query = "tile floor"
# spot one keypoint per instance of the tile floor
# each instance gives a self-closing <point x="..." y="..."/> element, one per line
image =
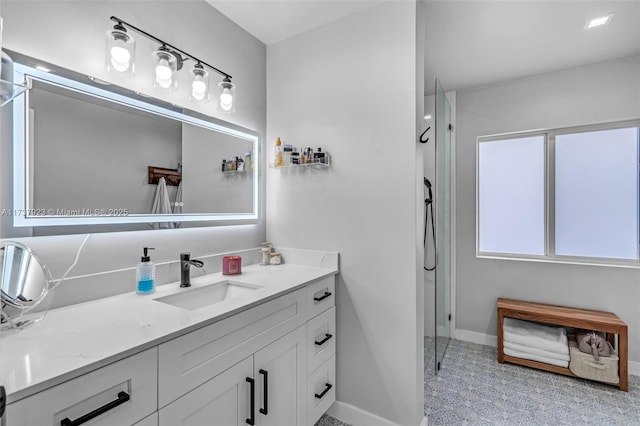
<point x="473" y="389"/>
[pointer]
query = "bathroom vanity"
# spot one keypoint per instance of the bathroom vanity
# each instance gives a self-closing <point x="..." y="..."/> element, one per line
<point x="257" y="348"/>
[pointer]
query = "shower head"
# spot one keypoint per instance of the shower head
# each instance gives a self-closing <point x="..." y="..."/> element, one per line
<point x="427" y="183"/>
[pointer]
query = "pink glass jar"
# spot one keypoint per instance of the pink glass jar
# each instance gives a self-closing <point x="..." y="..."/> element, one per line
<point x="231" y="265"/>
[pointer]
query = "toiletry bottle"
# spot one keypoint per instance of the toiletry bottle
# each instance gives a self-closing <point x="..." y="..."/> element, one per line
<point x="287" y="149"/>
<point x="248" y="163"/>
<point x="278" y="154"/>
<point x="295" y="156"/>
<point x="145" y="274"/>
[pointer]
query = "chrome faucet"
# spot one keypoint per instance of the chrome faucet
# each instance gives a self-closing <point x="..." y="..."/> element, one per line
<point x="185" y="268"/>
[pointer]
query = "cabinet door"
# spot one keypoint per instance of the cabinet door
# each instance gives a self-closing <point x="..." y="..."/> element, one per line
<point x="223" y="400"/>
<point x="280" y="374"/>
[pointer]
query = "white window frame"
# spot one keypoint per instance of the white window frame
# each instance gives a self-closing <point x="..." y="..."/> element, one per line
<point x="549" y="199"/>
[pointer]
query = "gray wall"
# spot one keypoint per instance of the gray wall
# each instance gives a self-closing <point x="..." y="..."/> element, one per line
<point x="597" y="93"/>
<point x="71" y="34"/>
<point x="88" y="155"/>
<point x="205" y="188"/>
<point x="351" y="87"/>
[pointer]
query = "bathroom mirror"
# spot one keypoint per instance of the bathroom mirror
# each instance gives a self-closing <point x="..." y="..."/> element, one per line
<point x="24" y="281"/>
<point x="91" y="154"/>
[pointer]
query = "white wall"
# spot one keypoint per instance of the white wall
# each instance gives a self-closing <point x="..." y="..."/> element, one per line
<point x="351" y="88"/>
<point x="609" y="91"/>
<point x="71" y="34"/>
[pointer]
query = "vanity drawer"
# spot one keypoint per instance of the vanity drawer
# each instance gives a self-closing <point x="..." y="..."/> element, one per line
<point x="125" y="390"/>
<point x="321" y="295"/>
<point x="321" y="338"/>
<point x="191" y="360"/>
<point x="321" y="390"/>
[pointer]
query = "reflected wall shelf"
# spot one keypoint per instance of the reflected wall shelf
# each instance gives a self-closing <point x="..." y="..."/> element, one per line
<point x="171" y="176"/>
<point x="301" y="166"/>
<point x="9" y="91"/>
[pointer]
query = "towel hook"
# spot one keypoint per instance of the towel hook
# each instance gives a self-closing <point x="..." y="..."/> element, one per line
<point x="423" y="133"/>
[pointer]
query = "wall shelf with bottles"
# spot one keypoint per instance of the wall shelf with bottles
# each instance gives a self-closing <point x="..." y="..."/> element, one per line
<point x="287" y="157"/>
<point x="295" y="166"/>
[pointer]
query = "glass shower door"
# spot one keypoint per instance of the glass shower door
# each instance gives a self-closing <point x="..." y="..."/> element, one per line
<point x="443" y="224"/>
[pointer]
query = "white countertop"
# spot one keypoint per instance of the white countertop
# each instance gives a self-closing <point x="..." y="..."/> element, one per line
<point x="76" y="339"/>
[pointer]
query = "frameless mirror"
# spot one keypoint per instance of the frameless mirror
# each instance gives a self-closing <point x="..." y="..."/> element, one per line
<point x="92" y="154"/>
<point x="24" y="280"/>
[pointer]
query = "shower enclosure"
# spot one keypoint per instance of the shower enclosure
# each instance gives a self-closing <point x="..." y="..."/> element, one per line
<point x="443" y="129"/>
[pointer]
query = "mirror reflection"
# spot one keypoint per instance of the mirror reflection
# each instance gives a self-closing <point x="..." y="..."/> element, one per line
<point x="98" y="155"/>
<point x="23" y="279"/>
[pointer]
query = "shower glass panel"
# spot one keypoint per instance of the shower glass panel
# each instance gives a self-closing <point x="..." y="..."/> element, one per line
<point x="443" y="223"/>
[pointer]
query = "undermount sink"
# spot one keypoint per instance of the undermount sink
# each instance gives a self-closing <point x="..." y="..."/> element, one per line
<point x="199" y="297"/>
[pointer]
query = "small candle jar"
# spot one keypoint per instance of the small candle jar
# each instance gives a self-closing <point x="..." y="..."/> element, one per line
<point x="266" y="253"/>
<point x="231" y="265"/>
<point x="276" y="258"/>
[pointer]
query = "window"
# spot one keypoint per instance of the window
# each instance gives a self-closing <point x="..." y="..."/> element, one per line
<point x="563" y="194"/>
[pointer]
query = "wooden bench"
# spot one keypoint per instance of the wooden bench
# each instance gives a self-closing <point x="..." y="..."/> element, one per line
<point x="568" y="317"/>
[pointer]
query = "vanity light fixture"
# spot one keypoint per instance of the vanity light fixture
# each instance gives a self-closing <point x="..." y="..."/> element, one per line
<point x="120" y="50"/>
<point x="598" y="22"/>
<point x="199" y="83"/>
<point x="227" y="92"/>
<point x="167" y="61"/>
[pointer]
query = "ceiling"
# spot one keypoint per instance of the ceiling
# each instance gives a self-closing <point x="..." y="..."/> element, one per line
<point x="472" y="43"/>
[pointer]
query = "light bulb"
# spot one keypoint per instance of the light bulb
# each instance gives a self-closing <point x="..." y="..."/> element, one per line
<point x="163" y="71"/>
<point x="226" y="99"/>
<point x="120" y="58"/>
<point x="198" y="88"/>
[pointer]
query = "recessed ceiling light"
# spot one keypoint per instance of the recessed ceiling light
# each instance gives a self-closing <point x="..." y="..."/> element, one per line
<point x="427" y="117"/>
<point x="599" y="21"/>
<point x="42" y="68"/>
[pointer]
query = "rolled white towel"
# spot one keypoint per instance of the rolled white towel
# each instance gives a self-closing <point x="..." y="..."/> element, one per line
<point x="552" y="339"/>
<point x="535" y="351"/>
<point x="534" y="357"/>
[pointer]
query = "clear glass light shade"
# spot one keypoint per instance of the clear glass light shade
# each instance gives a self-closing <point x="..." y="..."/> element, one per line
<point x="226" y="96"/>
<point x="199" y="84"/>
<point x="165" y="67"/>
<point x="120" y="51"/>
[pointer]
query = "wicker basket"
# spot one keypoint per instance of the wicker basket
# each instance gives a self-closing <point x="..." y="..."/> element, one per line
<point x="584" y="365"/>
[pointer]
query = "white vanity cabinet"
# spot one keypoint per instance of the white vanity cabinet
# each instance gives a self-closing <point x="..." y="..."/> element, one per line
<point x="271" y="364"/>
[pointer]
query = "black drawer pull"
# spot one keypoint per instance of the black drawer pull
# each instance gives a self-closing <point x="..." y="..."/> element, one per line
<point x="3" y="400"/>
<point x="327" y="336"/>
<point x="265" y="410"/>
<point x="321" y="298"/>
<point x="324" y="392"/>
<point x="122" y="398"/>
<point x="252" y="419"/>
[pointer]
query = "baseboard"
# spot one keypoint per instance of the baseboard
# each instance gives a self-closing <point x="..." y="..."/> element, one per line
<point x="355" y="416"/>
<point x="486" y="339"/>
<point x="475" y="337"/>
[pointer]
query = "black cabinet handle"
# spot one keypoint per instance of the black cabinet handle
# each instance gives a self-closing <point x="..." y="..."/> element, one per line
<point x="3" y="400"/>
<point x="252" y="417"/>
<point x="324" y="296"/>
<point x="324" y="392"/>
<point x="327" y="336"/>
<point x="122" y="398"/>
<point x="265" y="397"/>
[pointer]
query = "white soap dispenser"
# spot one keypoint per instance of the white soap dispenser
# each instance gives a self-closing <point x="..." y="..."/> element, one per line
<point x="145" y="274"/>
